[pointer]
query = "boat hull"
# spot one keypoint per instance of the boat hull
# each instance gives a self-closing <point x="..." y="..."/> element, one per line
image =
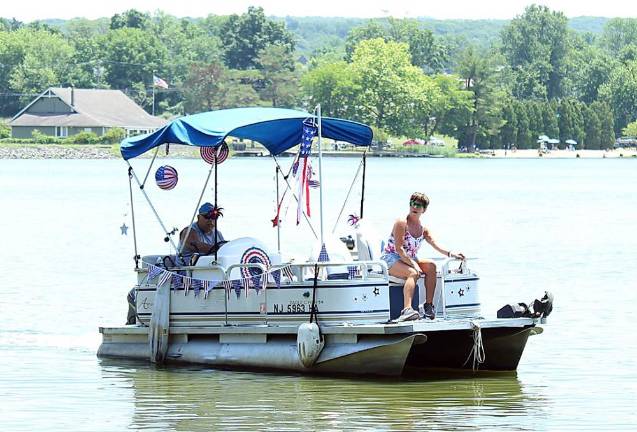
<point x="503" y="348"/>
<point x="380" y="349"/>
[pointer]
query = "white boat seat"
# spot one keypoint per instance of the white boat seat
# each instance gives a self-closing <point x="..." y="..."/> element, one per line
<point x="393" y="280"/>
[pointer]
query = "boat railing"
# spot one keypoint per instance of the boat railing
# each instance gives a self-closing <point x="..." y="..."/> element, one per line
<point x="264" y="270"/>
<point x="362" y="270"/>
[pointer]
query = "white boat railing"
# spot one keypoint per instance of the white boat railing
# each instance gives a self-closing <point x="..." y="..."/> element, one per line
<point x="366" y="270"/>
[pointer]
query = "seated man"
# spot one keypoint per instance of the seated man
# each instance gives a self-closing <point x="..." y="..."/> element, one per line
<point x="203" y="236"/>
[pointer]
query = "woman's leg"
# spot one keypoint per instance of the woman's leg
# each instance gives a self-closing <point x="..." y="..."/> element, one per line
<point x="428" y="267"/>
<point x="403" y="271"/>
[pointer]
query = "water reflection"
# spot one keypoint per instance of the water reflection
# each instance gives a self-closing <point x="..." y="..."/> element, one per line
<point x="178" y="398"/>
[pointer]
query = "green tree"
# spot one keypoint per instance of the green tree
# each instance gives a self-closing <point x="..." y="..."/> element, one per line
<point x="523" y="130"/>
<point x="509" y="131"/>
<point x="214" y="86"/>
<point x="424" y="49"/>
<point x="481" y="74"/>
<point x="334" y="86"/>
<point x="535" y="46"/>
<point x="130" y="56"/>
<point x="386" y="77"/>
<point x="279" y="81"/>
<point x="592" y="127"/>
<point x="618" y="34"/>
<point x="132" y="19"/>
<point x="630" y="130"/>
<point x="620" y="92"/>
<point x="244" y="36"/>
<point x="31" y="61"/>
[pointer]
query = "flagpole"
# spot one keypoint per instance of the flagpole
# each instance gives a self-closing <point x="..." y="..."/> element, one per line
<point x="153" y="85"/>
<point x="320" y="154"/>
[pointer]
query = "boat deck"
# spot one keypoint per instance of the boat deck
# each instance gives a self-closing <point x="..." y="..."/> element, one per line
<point x="419" y="326"/>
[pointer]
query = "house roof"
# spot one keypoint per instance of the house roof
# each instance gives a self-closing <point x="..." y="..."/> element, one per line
<point x="91" y="108"/>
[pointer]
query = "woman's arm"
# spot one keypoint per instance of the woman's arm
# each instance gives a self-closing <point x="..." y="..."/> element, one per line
<point x="399" y="239"/>
<point x="429" y="238"/>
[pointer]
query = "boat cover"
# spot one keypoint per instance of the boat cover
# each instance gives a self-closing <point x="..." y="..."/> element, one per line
<point x="275" y="128"/>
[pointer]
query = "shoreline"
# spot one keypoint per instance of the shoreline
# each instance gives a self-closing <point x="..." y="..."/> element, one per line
<point x="101" y="151"/>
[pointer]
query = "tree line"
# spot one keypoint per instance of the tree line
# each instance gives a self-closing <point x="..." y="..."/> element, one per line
<point x="537" y="77"/>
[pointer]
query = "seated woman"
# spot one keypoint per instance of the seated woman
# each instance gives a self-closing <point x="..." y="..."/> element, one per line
<point x="400" y="255"/>
<point x="203" y="236"/>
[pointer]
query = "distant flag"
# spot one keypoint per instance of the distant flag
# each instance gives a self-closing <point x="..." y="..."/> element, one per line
<point x="158" y="82"/>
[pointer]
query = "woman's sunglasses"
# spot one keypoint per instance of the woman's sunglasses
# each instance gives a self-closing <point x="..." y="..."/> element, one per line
<point x="416" y="204"/>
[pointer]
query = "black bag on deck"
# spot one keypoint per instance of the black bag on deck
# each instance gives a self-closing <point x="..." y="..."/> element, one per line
<point x="516" y="310"/>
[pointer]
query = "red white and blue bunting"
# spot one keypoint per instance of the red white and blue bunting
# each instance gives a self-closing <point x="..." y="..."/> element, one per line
<point x="251" y="281"/>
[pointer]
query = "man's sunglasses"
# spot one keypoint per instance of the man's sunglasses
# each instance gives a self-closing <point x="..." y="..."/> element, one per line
<point x="416" y="204"/>
<point x="208" y="216"/>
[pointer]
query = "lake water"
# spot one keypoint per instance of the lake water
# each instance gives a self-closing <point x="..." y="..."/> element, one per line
<point x="568" y="226"/>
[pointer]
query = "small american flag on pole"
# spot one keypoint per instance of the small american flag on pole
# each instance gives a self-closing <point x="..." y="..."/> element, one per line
<point x="158" y="82"/>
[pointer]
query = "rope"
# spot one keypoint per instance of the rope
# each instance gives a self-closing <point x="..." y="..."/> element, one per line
<point x="347" y="197"/>
<point x="294" y="195"/>
<point x="477" y="351"/>
<point x="313" y="312"/>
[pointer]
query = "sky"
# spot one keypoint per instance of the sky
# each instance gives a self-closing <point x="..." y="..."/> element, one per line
<point x="30" y="10"/>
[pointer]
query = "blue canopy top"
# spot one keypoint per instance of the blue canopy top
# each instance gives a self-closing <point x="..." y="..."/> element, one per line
<point x="277" y="129"/>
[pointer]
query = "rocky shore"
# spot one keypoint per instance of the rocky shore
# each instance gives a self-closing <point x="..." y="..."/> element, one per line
<point x="100" y="151"/>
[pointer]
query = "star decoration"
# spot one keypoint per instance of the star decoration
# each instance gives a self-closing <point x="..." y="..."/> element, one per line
<point x="124" y="229"/>
<point x="275" y="222"/>
<point x="461" y="292"/>
<point x="376" y="292"/>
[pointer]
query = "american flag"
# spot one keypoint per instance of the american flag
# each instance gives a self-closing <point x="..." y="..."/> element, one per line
<point x="153" y="272"/>
<point x="206" y="288"/>
<point x="287" y="271"/>
<point x="276" y="274"/>
<point x="352" y="271"/>
<point x="175" y="281"/>
<point x="187" y="282"/>
<point x="197" y="285"/>
<point x="227" y="285"/>
<point x="165" y="275"/>
<point x="236" y="285"/>
<point x="158" y="82"/>
<point x="323" y="256"/>
<point x="309" y="132"/>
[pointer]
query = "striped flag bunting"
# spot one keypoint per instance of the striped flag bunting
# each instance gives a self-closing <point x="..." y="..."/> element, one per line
<point x="187" y="283"/>
<point x="165" y="275"/>
<point x="197" y="285"/>
<point x="287" y="272"/>
<point x="237" y="285"/>
<point x="323" y="256"/>
<point x="175" y="281"/>
<point x="153" y="272"/>
<point x="256" y="282"/>
<point x="352" y="271"/>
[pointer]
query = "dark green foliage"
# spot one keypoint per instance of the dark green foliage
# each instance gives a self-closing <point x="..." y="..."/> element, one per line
<point x="244" y="36"/>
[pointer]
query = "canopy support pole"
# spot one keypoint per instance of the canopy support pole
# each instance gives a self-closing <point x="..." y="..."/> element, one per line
<point x="152" y="207"/>
<point x="181" y="246"/>
<point x="132" y="211"/>
<point x="347" y="197"/>
<point x="216" y="204"/>
<point x="150" y="167"/>
<point x="278" y="225"/>
<point x="320" y="154"/>
<point x="363" y="186"/>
